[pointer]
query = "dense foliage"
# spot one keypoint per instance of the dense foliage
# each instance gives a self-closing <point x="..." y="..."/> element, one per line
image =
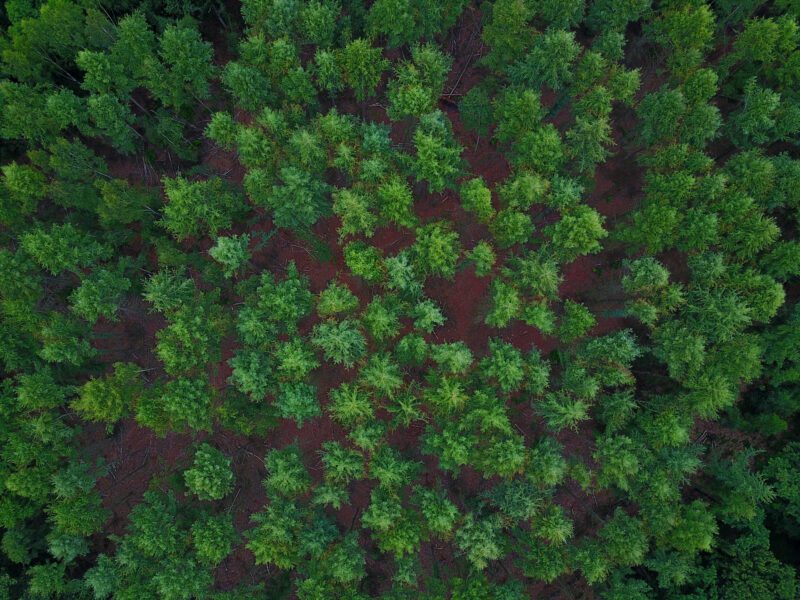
<point x="401" y="299"/>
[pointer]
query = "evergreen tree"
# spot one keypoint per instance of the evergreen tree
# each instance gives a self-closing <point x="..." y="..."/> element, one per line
<point x="210" y="476"/>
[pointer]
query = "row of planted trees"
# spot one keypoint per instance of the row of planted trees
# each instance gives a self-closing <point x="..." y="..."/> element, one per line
<point x="591" y="460"/>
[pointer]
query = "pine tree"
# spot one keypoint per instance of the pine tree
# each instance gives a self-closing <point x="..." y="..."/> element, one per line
<point x="210" y="476"/>
<point x="110" y="398"/>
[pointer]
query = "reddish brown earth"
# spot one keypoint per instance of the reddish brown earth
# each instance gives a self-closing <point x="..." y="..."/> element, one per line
<point x="139" y="459"/>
